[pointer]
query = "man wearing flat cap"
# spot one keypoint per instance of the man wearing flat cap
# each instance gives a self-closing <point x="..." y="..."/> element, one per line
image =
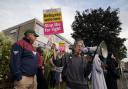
<point x="23" y="63"/>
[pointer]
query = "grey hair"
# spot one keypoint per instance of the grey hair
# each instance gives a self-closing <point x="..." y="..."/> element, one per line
<point x="77" y="41"/>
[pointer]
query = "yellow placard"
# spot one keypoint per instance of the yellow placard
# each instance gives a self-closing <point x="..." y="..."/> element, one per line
<point x="52" y="15"/>
<point x="61" y="44"/>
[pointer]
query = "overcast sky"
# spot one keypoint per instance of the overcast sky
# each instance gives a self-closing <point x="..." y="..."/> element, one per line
<point x="13" y="12"/>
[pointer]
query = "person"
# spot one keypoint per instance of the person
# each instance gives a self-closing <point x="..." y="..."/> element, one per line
<point x="111" y="76"/>
<point x="77" y="68"/>
<point x="98" y="79"/>
<point x="52" y="65"/>
<point x="58" y="62"/>
<point x="23" y="63"/>
<point x="41" y="81"/>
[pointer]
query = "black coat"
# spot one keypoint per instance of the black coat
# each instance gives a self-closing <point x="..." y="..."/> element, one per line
<point x="111" y="79"/>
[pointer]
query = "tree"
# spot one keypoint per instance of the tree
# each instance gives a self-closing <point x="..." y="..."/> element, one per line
<point x="95" y="25"/>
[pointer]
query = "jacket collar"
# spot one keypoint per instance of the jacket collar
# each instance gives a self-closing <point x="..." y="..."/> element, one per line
<point x="27" y="40"/>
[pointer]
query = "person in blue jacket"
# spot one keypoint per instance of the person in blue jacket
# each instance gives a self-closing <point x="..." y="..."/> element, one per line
<point x="23" y="63"/>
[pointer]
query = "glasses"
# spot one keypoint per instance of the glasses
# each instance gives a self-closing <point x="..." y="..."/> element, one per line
<point x="79" y="45"/>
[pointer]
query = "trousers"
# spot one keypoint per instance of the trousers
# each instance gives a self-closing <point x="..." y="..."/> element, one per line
<point x="24" y="83"/>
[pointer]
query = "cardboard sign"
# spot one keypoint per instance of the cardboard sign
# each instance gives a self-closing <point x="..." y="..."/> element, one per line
<point x="53" y="21"/>
<point x="62" y="46"/>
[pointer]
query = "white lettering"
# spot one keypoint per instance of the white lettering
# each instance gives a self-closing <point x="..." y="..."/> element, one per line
<point x="57" y="24"/>
<point x="48" y="25"/>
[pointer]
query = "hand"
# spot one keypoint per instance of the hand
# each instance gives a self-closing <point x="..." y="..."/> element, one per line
<point x="42" y="67"/>
<point x="103" y="66"/>
<point x="17" y="77"/>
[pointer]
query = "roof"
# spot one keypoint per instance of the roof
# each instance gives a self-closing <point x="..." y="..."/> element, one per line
<point x="19" y="25"/>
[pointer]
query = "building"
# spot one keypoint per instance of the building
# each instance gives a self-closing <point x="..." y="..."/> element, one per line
<point x="17" y="33"/>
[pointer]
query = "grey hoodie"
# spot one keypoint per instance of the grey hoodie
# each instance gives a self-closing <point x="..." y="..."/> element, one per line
<point x="78" y="70"/>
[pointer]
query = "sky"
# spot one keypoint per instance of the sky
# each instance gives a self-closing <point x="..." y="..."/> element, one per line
<point x="13" y="12"/>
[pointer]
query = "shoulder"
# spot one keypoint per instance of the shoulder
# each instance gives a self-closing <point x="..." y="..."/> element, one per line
<point x="21" y="43"/>
<point x="18" y="44"/>
<point x="68" y="55"/>
<point x="24" y="44"/>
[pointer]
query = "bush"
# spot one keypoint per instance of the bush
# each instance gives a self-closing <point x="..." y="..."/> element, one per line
<point x="5" y="46"/>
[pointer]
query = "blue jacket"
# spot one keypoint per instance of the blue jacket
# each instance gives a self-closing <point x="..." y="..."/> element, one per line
<point x="23" y="59"/>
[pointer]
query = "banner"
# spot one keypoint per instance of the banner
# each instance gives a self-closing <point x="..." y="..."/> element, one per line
<point x="52" y="21"/>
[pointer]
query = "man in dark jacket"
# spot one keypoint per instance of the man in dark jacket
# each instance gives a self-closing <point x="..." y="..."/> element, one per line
<point x="77" y="68"/>
<point x="23" y="62"/>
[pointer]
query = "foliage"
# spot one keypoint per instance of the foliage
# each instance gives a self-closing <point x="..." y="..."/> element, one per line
<point x="95" y="25"/>
<point x="5" y="44"/>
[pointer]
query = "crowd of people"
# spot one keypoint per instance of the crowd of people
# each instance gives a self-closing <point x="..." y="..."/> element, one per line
<point x="74" y="69"/>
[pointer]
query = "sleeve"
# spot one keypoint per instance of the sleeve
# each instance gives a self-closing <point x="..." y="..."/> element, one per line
<point x="97" y="64"/>
<point x="15" y="61"/>
<point x="111" y="68"/>
<point x="87" y="67"/>
<point x="40" y="60"/>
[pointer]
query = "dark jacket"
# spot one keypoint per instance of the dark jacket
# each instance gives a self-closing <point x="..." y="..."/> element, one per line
<point x="23" y="59"/>
<point x="111" y="79"/>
